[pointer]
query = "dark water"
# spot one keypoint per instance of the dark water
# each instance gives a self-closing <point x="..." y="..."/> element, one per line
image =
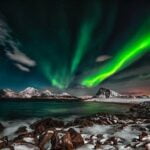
<point x="21" y="110"/>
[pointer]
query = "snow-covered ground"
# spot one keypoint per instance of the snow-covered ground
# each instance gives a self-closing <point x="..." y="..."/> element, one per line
<point x="119" y="100"/>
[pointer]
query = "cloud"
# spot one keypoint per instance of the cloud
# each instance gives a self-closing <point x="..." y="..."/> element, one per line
<point x="20" y="57"/>
<point x="102" y="58"/>
<point x="6" y="39"/>
<point x="22" y="68"/>
<point x="11" y="48"/>
<point x="4" y="32"/>
<point x="138" y="73"/>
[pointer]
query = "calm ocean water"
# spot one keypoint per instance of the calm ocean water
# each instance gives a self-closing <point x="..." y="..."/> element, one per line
<point x="24" y="109"/>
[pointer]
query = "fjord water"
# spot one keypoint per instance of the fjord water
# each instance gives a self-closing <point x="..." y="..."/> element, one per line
<point x="41" y="109"/>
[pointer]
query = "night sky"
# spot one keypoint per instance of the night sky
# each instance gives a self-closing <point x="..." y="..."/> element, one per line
<point x="75" y="45"/>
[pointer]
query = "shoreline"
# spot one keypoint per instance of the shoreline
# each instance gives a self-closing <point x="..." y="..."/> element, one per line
<point x="120" y="100"/>
<point x="98" y="100"/>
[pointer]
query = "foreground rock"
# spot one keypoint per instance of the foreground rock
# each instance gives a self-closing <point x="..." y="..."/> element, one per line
<point x="141" y="110"/>
<point x="99" y="131"/>
<point x="76" y="138"/>
<point x="43" y="125"/>
<point x="1" y="127"/>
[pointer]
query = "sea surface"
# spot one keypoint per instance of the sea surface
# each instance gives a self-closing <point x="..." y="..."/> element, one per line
<point x="10" y="110"/>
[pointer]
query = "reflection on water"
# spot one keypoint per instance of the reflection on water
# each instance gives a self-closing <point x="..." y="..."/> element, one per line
<point x="20" y="110"/>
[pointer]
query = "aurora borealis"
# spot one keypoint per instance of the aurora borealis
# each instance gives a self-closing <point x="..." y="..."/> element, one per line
<point x="85" y="35"/>
<point x="135" y="49"/>
<point x="56" y="43"/>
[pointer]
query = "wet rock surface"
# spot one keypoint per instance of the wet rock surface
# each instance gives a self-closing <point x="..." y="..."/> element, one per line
<point x="42" y="125"/>
<point x="141" y="110"/>
<point x="95" y="132"/>
<point x="1" y="127"/>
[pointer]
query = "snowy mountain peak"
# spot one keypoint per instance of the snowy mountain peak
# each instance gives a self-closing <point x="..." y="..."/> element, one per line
<point x="46" y="93"/>
<point x="106" y="93"/>
<point x="8" y="93"/>
<point x="65" y="94"/>
<point x="29" y="92"/>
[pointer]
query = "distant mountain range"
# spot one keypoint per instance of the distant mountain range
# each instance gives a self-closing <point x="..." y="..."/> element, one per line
<point x="31" y="92"/>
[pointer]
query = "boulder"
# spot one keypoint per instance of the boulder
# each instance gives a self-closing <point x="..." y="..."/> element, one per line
<point x="29" y="137"/>
<point x="55" y="141"/>
<point x="67" y="142"/>
<point x="82" y="122"/>
<point x="147" y="146"/>
<point x="44" y="140"/>
<point x="21" y="130"/>
<point x="3" y="142"/>
<point x="141" y="110"/>
<point x="76" y="138"/>
<point x="8" y="148"/>
<point x="43" y="125"/>
<point x="24" y="146"/>
<point x="112" y="141"/>
<point x="1" y="127"/>
<point x="98" y="145"/>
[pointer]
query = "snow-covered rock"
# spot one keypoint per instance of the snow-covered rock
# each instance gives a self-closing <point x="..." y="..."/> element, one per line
<point x="8" y="93"/>
<point x="29" y="92"/>
<point x="65" y="94"/>
<point x="46" y="93"/>
<point x="85" y="97"/>
<point x="106" y="93"/>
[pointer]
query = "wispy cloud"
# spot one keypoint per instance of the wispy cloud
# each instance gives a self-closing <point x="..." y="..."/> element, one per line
<point x="20" y="57"/>
<point x="22" y="68"/>
<point x="102" y="58"/>
<point x="12" y="50"/>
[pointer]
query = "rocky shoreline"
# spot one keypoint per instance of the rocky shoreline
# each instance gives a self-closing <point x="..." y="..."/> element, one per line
<point x="100" y="132"/>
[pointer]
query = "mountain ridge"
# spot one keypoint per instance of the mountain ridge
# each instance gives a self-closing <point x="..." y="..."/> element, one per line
<point x="30" y="92"/>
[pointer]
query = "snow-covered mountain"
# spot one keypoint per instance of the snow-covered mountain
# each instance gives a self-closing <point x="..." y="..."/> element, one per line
<point x="106" y="93"/>
<point x="8" y="93"/>
<point x="29" y="92"/>
<point x="65" y="94"/>
<point x="46" y="93"/>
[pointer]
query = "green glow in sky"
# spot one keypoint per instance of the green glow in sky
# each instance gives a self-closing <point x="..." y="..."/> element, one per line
<point x="135" y="49"/>
<point x="82" y="46"/>
<point x="59" y="79"/>
<point x="60" y="63"/>
<point x="60" y="69"/>
<point x="85" y="36"/>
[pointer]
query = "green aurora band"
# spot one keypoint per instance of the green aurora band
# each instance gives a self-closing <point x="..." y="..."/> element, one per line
<point x="59" y="79"/>
<point x="60" y="70"/>
<point x="60" y="61"/>
<point x="126" y="56"/>
<point x="85" y="35"/>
